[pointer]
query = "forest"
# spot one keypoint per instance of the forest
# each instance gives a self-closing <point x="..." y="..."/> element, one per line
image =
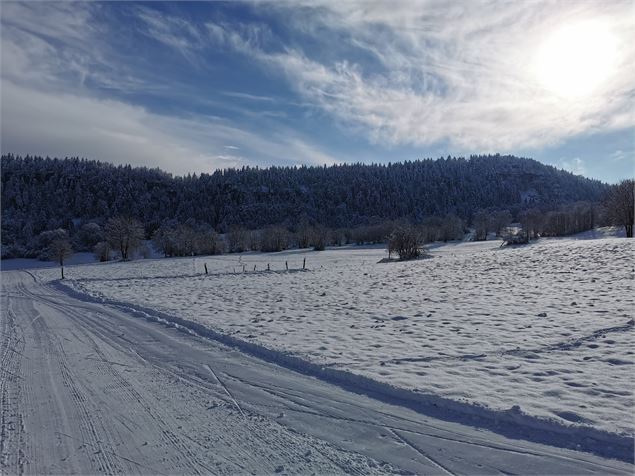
<point x="41" y="196"/>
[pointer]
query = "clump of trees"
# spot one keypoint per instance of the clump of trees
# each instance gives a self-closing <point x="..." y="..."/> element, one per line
<point x="447" y="228"/>
<point x="372" y="234"/>
<point x="406" y="242"/>
<point x="124" y="234"/>
<point x="274" y="238"/>
<point x="531" y="221"/>
<point x="184" y="240"/>
<point x="571" y="219"/>
<point x="487" y="221"/>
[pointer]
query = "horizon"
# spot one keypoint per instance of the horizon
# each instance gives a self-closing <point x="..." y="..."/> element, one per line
<point x="197" y="87"/>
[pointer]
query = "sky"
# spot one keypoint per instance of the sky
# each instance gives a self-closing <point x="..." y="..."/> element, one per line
<point x="193" y="87"/>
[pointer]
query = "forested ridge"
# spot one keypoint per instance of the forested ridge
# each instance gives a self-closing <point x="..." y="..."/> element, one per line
<point x="43" y="194"/>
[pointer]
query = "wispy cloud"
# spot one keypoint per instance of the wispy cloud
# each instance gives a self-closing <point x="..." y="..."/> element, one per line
<point x="113" y="131"/>
<point x="459" y="73"/>
<point x="49" y="50"/>
<point x="251" y="97"/>
<point x="60" y="45"/>
<point x="411" y="74"/>
<point x="172" y="31"/>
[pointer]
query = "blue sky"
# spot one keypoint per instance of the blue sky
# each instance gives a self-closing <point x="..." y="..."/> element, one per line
<point x="191" y="87"/>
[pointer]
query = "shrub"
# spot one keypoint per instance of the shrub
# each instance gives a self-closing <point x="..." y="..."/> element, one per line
<point x="406" y="242"/>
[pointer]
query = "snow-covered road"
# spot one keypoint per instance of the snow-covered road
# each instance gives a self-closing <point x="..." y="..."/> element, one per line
<point x="85" y="389"/>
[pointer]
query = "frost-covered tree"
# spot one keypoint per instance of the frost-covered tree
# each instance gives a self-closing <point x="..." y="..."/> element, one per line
<point x="39" y="194"/>
<point x="42" y="245"/>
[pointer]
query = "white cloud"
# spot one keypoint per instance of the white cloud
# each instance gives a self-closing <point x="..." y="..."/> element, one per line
<point x="45" y="113"/>
<point x="54" y="124"/>
<point x="458" y="72"/>
<point x="173" y="32"/>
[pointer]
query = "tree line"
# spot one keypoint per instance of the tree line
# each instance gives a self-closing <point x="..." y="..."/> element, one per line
<point x="44" y="200"/>
<point x="124" y="236"/>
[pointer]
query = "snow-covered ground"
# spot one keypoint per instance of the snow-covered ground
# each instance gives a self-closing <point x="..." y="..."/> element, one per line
<point x="547" y="327"/>
<point x="30" y="263"/>
<point x="87" y="388"/>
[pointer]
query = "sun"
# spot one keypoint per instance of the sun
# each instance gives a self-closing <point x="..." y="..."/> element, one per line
<point x="575" y="60"/>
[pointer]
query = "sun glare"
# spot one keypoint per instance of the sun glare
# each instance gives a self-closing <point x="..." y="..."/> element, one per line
<point x="576" y="59"/>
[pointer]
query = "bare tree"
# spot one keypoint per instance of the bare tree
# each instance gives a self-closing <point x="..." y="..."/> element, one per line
<point x="124" y="234"/>
<point x="321" y="237"/>
<point x="620" y="204"/>
<point x="451" y="228"/>
<point x="59" y="250"/>
<point x="532" y="221"/>
<point x="481" y="224"/>
<point x="406" y="242"/>
<point x="237" y="239"/>
<point x="304" y="235"/>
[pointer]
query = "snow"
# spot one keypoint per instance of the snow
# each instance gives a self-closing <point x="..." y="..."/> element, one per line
<point x="545" y="329"/>
<point x="89" y="389"/>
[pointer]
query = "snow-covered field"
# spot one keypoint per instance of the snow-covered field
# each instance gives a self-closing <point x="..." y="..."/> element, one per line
<point x="546" y="327"/>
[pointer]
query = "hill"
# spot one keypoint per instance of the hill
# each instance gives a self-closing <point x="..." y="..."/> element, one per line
<point x="41" y="193"/>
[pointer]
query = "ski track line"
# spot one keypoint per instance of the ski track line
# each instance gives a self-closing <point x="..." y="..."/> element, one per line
<point x="286" y="397"/>
<point x="425" y="455"/>
<point x="211" y="370"/>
